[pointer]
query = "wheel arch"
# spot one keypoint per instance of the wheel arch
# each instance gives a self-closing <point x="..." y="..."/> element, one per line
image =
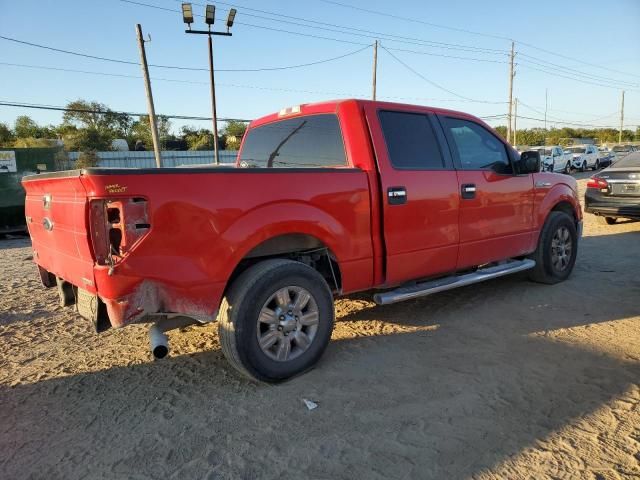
<point x="300" y="246"/>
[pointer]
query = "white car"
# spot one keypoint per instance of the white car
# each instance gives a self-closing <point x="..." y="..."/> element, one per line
<point x="585" y="156"/>
<point x="554" y="159"/>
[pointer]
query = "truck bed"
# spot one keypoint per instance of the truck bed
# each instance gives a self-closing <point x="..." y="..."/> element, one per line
<point x="184" y="230"/>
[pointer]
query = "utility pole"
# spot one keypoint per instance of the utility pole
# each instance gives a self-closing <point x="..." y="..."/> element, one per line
<point x="515" y="122"/>
<point x="621" y="118"/>
<point x="546" y="106"/>
<point x="151" y="109"/>
<point x="511" y="75"/>
<point x="375" y="67"/>
<point x="213" y="104"/>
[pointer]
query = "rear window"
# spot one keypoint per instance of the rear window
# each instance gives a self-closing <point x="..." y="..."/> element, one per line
<point x="411" y="142"/>
<point x="622" y="149"/>
<point x="631" y="160"/>
<point x="310" y="141"/>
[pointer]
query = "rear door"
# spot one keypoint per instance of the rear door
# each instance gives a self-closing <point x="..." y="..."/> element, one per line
<point x="56" y="213"/>
<point x="419" y="193"/>
<point x="496" y="206"/>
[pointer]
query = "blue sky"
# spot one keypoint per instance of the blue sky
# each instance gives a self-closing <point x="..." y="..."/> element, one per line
<point x="606" y="35"/>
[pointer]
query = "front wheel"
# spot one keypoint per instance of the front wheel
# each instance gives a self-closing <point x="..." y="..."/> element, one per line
<point x="276" y="320"/>
<point x="597" y="165"/>
<point x="557" y="250"/>
<point x="567" y="168"/>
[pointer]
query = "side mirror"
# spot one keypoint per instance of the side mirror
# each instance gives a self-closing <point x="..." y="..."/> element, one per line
<point x="529" y="162"/>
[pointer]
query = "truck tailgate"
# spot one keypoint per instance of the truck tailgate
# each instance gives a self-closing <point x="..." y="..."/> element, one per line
<point x="56" y="210"/>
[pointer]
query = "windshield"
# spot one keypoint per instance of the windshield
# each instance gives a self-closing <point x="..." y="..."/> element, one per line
<point x="631" y="160"/>
<point x="577" y="149"/>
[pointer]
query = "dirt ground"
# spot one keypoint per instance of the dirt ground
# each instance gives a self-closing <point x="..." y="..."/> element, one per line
<point x="506" y="379"/>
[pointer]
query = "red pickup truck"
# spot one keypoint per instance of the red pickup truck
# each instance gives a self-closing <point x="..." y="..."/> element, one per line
<point x="326" y="199"/>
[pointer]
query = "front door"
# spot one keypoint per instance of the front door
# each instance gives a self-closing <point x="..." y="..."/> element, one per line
<point x="496" y="206"/>
<point x="419" y="193"/>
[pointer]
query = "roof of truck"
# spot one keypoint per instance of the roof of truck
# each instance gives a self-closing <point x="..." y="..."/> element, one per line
<point x="332" y="106"/>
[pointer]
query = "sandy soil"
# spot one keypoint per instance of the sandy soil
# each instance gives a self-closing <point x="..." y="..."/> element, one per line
<point x="507" y="379"/>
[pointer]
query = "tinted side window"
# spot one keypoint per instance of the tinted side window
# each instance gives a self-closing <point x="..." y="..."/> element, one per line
<point x="310" y="141"/>
<point x="411" y="142"/>
<point x="476" y="147"/>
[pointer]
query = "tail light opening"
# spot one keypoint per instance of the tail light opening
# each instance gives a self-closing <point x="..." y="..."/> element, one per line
<point x="116" y="225"/>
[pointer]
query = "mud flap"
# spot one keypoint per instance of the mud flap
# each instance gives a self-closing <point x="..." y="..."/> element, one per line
<point x="90" y="307"/>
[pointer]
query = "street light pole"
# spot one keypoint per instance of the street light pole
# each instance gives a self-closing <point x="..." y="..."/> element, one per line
<point x="213" y="103"/>
<point x="187" y="15"/>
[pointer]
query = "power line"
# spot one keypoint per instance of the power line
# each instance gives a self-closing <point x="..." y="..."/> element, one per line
<point x="556" y="119"/>
<point x="448" y="56"/>
<point x="580" y="125"/>
<point x="371" y="33"/>
<point x="177" y="67"/>
<point x="574" y="78"/>
<point x="546" y="64"/>
<point x="463" y="30"/>
<point x="431" y="82"/>
<point x="415" y="20"/>
<point x="132" y="114"/>
<point x="232" y="85"/>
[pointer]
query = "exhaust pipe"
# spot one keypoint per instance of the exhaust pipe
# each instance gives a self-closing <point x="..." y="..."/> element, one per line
<point x="159" y="342"/>
<point x="157" y="338"/>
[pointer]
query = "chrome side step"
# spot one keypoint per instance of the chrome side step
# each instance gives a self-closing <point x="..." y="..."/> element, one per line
<point x="440" y="285"/>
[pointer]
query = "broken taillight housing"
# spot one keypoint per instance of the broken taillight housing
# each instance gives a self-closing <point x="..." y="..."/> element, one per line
<point x="116" y="225"/>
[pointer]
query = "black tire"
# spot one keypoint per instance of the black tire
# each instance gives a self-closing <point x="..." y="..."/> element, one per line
<point x="567" y="168"/>
<point x="597" y="165"/>
<point x="241" y="306"/>
<point x="608" y="220"/>
<point x="545" y="271"/>
<point x="583" y="167"/>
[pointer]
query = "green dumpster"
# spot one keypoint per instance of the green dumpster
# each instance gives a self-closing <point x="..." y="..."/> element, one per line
<point x="15" y="163"/>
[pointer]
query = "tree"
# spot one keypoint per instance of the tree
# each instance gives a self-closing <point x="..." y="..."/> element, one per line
<point x="141" y="130"/>
<point x="83" y="114"/>
<point x="6" y="135"/>
<point x="25" y="127"/>
<point x="201" y="139"/>
<point x="233" y="133"/>
<point x="87" y="139"/>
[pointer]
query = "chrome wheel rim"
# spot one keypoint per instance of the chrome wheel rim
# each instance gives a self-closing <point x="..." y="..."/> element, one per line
<point x="287" y="324"/>
<point x="561" y="249"/>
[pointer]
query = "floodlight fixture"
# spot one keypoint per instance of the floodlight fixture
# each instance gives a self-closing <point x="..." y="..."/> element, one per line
<point x="187" y="14"/>
<point x="210" y="14"/>
<point x="231" y="17"/>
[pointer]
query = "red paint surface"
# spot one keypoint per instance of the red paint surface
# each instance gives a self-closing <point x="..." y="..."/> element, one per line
<point x="203" y="224"/>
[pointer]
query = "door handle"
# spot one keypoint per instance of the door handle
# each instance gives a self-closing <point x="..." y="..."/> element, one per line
<point x="397" y="195"/>
<point x="468" y="191"/>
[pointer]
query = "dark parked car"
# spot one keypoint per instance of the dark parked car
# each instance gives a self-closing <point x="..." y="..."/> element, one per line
<point x="615" y="191"/>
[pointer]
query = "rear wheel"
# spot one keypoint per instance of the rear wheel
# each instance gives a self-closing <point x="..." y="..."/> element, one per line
<point x="597" y="165"/>
<point x="567" y="168"/>
<point x="608" y="220"/>
<point x="276" y="320"/>
<point x="557" y="250"/>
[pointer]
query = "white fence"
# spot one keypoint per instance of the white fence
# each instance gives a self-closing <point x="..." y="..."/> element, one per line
<point x="146" y="159"/>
